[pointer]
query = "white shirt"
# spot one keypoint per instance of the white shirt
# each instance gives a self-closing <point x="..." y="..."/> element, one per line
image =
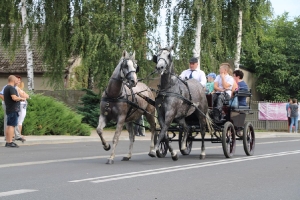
<point x="198" y="74"/>
<point x="229" y="79"/>
<point x="2" y="93"/>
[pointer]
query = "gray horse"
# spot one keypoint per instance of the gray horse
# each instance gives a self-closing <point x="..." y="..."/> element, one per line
<point x="121" y="103"/>
<point x="176" y="100"/>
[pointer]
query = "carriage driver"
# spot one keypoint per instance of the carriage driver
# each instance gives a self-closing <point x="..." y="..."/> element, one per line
<point x="223" y="86"/>
<point x="194" y="72"/>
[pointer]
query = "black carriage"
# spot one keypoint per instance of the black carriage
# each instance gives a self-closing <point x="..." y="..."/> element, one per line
<point x="232" y="127"/>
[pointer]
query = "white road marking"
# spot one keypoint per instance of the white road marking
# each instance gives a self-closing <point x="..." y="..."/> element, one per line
<point x="181" y="167"/>
<point x="120" y="155"/>
<point x="58" y="160"/>
<point x="15" y="192"/>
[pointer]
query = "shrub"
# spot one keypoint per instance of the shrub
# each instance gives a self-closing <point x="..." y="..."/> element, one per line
<point x="90" y="108"/>
<point x="47" y="116"/>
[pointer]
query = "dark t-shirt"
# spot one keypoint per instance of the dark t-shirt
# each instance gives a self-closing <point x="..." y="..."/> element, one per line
<point x="242" y="86"/>
<point x="10" y="104"/>
<point x="294" y="110"/>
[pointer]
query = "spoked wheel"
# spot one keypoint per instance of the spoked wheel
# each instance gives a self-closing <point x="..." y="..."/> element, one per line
<point x="189" y="144"/>
<point x="249" y="139"/>
<point x="228" y="140"/>
<point x="162" y="147"/>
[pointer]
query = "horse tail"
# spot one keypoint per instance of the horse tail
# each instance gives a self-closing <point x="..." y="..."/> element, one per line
<point x="209" y="123"/>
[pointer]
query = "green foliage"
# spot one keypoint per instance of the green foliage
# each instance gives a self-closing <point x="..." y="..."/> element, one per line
<point x="46" y="116"/>
<point x="277" y="65"/>
<point x="100" y="37"/>
<point x="79" y="79"/>
<point x="218" y="31"/>
<point x="90" y="108"/>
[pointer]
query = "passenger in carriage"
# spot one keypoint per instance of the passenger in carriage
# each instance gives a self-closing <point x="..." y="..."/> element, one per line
<point x="210" y="83"/>
<point x="238" y="76"/>
<point x="194" y="72"/>
<point x="223" y="87"/>
<point x="233" y="102"/>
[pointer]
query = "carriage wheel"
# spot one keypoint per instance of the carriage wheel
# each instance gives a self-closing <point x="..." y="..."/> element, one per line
<point x="189" y="144"/>
<point x="162" y="147"/>
<point x="228" y="139"/>
<point x="249" y="139"/>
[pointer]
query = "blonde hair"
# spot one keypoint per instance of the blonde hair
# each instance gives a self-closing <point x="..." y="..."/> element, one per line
<point x="230" y="72"/>
<point x="226" y="66"/>
<point x="21" y="86"/>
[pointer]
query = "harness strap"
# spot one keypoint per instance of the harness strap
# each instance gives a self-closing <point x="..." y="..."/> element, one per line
<point x="149" y="100"/>
<point x="172" y="94"/>
<point x="133" y="101"/>
<point x="132" y="104"/>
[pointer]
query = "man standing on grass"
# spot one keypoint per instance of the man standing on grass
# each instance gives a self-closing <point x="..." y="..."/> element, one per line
<point x="12" y="104"/>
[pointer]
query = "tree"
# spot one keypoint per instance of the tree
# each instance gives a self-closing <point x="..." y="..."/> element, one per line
<point x="98" y="31"/>
<point x="29" y="56"/>
<point x="277" y="67"/>
<point x="199" y="35"/>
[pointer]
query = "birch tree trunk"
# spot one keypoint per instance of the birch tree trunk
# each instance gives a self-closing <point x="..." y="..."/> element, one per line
<point x="197" y="48"/>
<point x="29" y="57"/>
<point x="239" y="41"/>
<point x="123" y="22"/>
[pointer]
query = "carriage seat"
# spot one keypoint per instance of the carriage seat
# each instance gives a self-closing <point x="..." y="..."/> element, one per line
<point x="242" y="93"/>
<point x="210" y="101"/>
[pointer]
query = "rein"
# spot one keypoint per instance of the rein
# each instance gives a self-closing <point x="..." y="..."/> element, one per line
<point x="133" y="103"/>
<point x="147" y="77"/>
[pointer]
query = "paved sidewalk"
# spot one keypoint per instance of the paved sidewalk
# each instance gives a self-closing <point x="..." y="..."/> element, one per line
<point x="108" y="135"/>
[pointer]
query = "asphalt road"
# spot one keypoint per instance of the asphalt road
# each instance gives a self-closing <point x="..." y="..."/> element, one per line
<point x="78" y="171"/>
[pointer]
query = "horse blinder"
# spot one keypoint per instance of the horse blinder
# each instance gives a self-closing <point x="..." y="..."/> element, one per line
<point x="154" y="58"/>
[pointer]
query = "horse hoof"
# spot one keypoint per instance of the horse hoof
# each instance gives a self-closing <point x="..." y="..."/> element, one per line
<point x="126" y="159"/>
<point x="183" y="149"/>
<point x="202" y="157"/>
<point x="110" y="161"/>
<point x="152" y="154"/>
<point x="106" y="148"/>
<point x="175" y="158"/>
<point x="158" y="154"/>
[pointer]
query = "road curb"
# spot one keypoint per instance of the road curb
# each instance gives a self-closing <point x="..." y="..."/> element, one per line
<point x="65" y="139"/>
<point x="108" y="136"/>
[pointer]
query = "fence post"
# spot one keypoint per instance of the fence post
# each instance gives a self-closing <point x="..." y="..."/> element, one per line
<point x="267" y="125"/>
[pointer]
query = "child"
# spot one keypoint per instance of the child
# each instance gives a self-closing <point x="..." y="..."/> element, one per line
<point x="210" y="83"/>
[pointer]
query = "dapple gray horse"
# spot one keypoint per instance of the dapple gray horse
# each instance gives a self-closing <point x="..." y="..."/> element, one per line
<point x="120" y="103"/>
<point x="176" y="100"/>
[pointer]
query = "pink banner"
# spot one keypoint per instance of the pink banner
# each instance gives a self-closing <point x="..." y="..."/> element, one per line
<point x="272" y="111"/>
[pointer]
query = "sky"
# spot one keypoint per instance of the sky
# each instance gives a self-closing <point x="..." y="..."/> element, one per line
<point x="290" y="6"/>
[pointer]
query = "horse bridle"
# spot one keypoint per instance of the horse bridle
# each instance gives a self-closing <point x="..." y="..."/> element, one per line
<point x="124" y="62"/>
<point x="165" y="59"/>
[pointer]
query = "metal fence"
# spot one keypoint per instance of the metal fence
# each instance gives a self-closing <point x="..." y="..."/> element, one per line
<point x="265" y="124"/>
<point x="72" y="98"/>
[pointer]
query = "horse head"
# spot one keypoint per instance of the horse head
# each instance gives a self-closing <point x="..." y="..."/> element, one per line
<point x="128" y="69"/>
<point x="163" y="59"/>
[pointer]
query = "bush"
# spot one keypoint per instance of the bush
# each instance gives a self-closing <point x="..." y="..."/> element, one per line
<point x="47" y="116"/>
<point x="90" y="109"/>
